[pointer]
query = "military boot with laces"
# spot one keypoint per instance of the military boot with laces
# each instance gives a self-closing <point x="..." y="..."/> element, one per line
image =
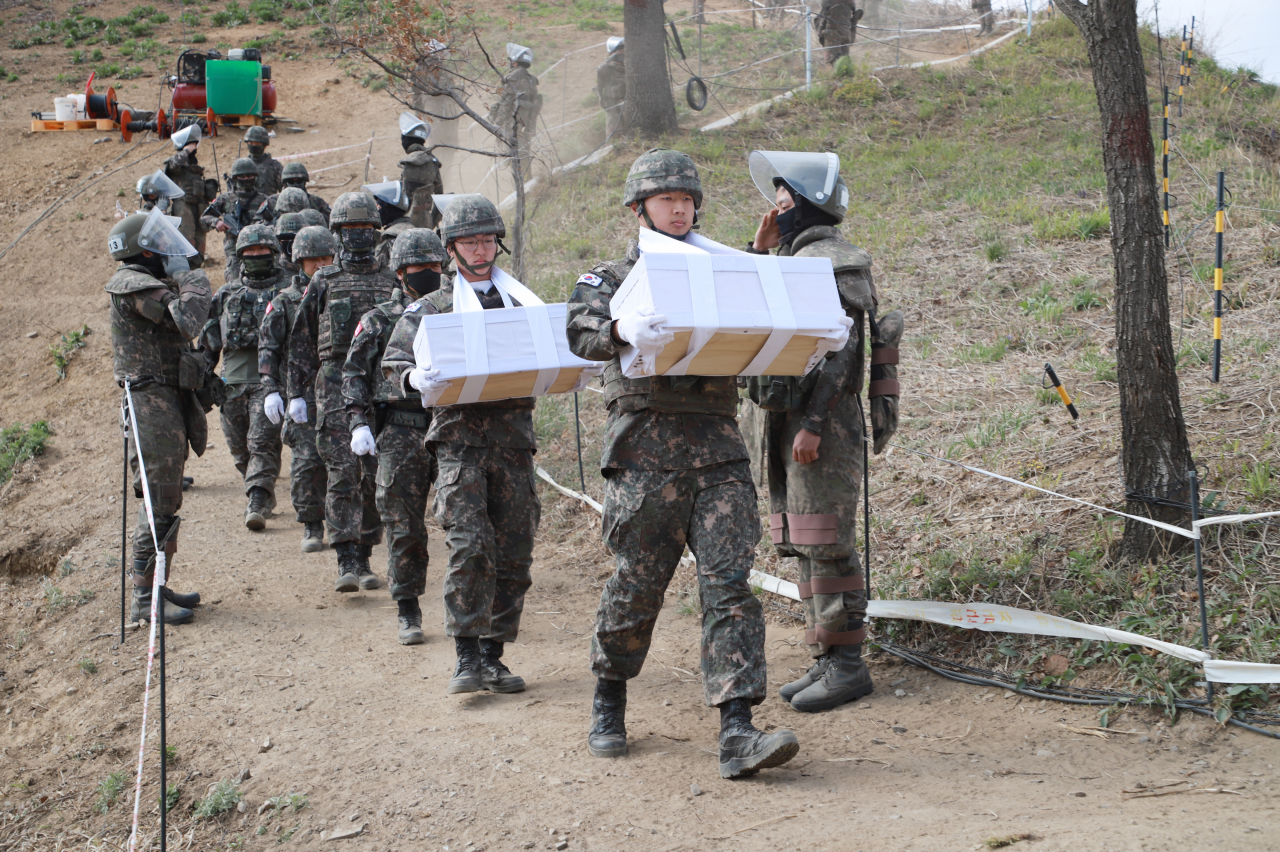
<point x="313" y="537"/>
<point x="608" y="734"/>
<point x="466" y="677"/>
<point x="846" y="679"/>
<point x="410" y="620"/>
<point x="255" y="515"/>
<point x="367" y="579"/>
<point x="494" y="675"/>
<point x="806" y="680"/>
<point x="743" y="749"/>
<point x="348" y="567"/>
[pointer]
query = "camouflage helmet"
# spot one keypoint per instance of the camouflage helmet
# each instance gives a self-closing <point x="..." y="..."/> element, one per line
<point x="258" y="234"/>
<point x="469" y="215"/>
<point x="354" y="208"/>
<point x="415" y="246"/>
<point x="244" y="167"/>
<point x="295" y="171"/>
<point x="313" y="241"/>
<point x="312" y="216"/>
<point x="257" y="135"/>
<point x="662" y="170"/>
<point x="289" y="225"/>
<point x="292" y="200"/>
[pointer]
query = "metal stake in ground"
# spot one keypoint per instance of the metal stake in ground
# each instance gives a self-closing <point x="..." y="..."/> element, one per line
<point x="577" y="428"/>
<point x="1219" y="221"/>
<point x="1204" y="617"/>
<point x="164" y="724"/>
<point x="124" y="518"/>
<point x="1182" y="68"/>
<point x="1164" y="162"/>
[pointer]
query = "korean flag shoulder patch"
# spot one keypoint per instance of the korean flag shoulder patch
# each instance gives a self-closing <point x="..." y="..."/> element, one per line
<point x="411" y="308"/>
<point x="591" y="280"/>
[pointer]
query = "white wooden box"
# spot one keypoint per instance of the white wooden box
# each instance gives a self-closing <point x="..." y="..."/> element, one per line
<point x="732" y="313"/>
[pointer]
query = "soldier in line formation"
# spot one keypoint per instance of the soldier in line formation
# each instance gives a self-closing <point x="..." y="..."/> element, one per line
<point x="520" y="104"/>
<point x="337" y="343"/>
<point x="611" y="84"/>
<point x="836" y="24"/>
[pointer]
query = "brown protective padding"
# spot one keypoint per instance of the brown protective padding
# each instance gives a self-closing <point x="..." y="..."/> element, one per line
<point x="822" y="636"/>
<point x="884" y="387"/>
<point x="884" y="355"/>
<point x="812" y="529"/>
<point x="831" y="586"/>
<point x="775" y="528"/>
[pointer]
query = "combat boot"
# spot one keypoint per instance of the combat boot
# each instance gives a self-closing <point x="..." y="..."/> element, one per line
<point x="846" y="679"/>
<point x="348" y="567"/>
<point x="806" y="680"/>
<point x="313" y="537"/>
<point x="494" y="675"/>
<point x="140" y="608"/>
<point x="743" y="749"/>
<point x="466" y="677"/>
<point x="608" y="735"/>
<point x="255" y="515"/>
<point x="410" y="619"/>
<point x="368" y="580"/>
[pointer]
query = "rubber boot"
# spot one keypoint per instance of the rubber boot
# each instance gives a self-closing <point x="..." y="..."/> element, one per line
<point x="608" y="735"/>
<point x="806" y="680"/>
<point x="743" y="749"/>
<point x="410" y="620"/>
<point x="313" y="537"/>
<point x="142" y="568"/>
<point x="466" y="677"/>
<point x="348" y="567"/>
<point x="846" y="679"/>
<point x="255" y="515"/>
<point x="140" y="608"/>
<point x="494" y="675"/>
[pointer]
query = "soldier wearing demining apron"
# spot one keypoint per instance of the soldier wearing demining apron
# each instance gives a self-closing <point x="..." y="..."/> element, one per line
<point x="183" y="169"/>
<point x="419" y="171"/>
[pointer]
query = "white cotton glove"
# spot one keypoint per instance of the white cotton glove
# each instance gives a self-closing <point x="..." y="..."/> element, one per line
<point x="830" y="344"/>
<point x="362" y="443"/>
<point x="425" y="383"/>
<point x="298" y="410"/>
<point x="273" y="407"/>
<point x="642" y="330"/>
<point x="585" y="377"/>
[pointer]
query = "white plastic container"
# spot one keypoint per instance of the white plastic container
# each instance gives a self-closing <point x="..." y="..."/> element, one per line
<point x="79" y="101"/>
<point x="64" y="109"/>
<point x="235" y="53"/>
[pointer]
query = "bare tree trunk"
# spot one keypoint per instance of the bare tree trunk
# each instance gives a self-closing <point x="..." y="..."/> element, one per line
<point x="649" y="107"/>
<point x="1156" y="455"/>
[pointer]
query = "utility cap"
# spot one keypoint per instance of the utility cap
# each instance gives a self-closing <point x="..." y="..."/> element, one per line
<point x="388" y="192"/>
<point x="185" y="136"/>
<point x="816" y="176"/>
<point x="160" y="235"/>
<point x="411" y="125"/>
<point x="520" y="54"/>
<point x="614" y="43"/>
<point x="159" y="183"/>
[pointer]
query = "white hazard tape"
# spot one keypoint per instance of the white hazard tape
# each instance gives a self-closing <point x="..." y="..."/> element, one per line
<point x="284" y="157"/>
<point x="157" y="583"/>
<point x="994" y="618"/>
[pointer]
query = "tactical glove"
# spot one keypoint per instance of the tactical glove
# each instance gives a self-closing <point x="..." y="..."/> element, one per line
<point x="273" y="407"/>
<point x="362" y="443"/>
<point x="298" y="410"/>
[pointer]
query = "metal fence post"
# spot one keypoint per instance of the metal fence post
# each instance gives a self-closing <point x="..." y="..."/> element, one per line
<point x="808" y="46"/>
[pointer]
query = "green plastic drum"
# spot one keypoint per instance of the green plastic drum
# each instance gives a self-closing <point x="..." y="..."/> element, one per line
<point x="233" y="86"/>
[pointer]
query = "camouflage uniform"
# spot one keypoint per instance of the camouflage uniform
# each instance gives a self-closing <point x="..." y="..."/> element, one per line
<point x="268" y="213"/>
<point x="611" y="88"/>
<point x="522" y="85"/>
<point x="238" y="213"/>
<point x="485" y="495"/>
<point x="232" y="335"/>
<point x="388" y="239"/>
<point x="677" y="473"/>
<point x="152" y="321"/>
<point x="420" y="174"/>
<point x="406" y="465"/>
<point x="270" y="170"/>
<point x="986" y="19"/>
<point x="306" y="470"/>
<point x="837" y="25"/>
<point x="183" y="170"/>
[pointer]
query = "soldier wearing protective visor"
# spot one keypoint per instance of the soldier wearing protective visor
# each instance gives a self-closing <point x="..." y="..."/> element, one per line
<point x="611" y="84"/>
<point x="319" y="341"/>
<point x="520" y="104"/>
<point x="815" y="430"/>
<point x="676" y="473"/>
<point x="231" y="335"/>
<point x="388" y="420"/>
<point x="393" y="213"/>
<point x="233" y="211"/>
<point x="485" y="495"/>
<point x="313" y="248"/>
<point x="158" y="305"/>
<point x="157" y="190"/>
<point x="184" y="170"/>
<point x="419" y="172"/>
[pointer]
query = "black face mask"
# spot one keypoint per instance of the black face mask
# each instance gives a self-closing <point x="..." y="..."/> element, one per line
<point x="246" y="188"/>
<point x="358" y="240"/>
<point x="153" y="264"/>
<point x="258" y="266"/>
<point x="407" y="142"/>
<point x="388" y="213"/>
<point x="256" y="151"/>
<point x="423" y="282"/>
<point x="787" y="221"/>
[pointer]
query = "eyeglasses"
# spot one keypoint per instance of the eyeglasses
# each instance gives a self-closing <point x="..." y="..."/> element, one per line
<point x="473" y="245"/>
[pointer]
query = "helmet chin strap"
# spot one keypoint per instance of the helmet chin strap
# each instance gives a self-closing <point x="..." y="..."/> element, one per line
<point x="487" y="267"/>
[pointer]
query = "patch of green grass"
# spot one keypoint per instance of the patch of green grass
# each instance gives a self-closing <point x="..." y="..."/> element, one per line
<point x="984" y="352"/>
<point x="175" y="791"/>
<point x="1101" y="366"/>
<point x="66" y="347"/>
<point x="289" y="801"/>
<point x="996" y="429"/>
<point x="1083" y="300"/>
<point x="1042" y="305"/>
<point x="20" y="640"/>
<point x="170" y="754"/>
<point x="88" y="666"/>
<point x="230" y="16"/>
<point x="224" y="796"/>
<point x="109" y="790"/>
<point x="199" y="38"/>
<point x="1092" y="225"/>
<point x="1259" y="481"/>
<point x="995" y="250"/>
<point x="54" y="598"/>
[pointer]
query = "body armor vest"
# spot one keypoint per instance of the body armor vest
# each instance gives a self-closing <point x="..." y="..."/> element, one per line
<point x="242" y="314"/>
<point x="142" y="349"/>
<point x="353" y="288"/>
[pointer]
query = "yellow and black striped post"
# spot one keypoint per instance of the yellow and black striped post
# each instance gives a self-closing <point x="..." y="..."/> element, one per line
<point x="1164" y="163"/>
<point x="1219" y="222"/>
<point x="1062" y="392"/>
<point x="1182" y="68"/>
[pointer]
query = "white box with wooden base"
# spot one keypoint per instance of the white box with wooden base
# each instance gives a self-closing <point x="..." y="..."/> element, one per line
<point x="732" y="313"/>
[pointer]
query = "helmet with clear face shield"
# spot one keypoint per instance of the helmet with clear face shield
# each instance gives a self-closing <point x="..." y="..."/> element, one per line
<point x="614" y="44"/>
<point x="519" y="54"/>
<point x="814" y="176"/>
<point x="414" y="127"/>
<point x="158" y="185"/>
<point x="388" y="192"/>
<point x="154" y="232"/>
<point x="185" y="136"/>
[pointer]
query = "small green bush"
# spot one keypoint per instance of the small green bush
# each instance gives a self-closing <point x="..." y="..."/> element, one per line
<point x="19" y="443"/>
<point x="224" y="796"/>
